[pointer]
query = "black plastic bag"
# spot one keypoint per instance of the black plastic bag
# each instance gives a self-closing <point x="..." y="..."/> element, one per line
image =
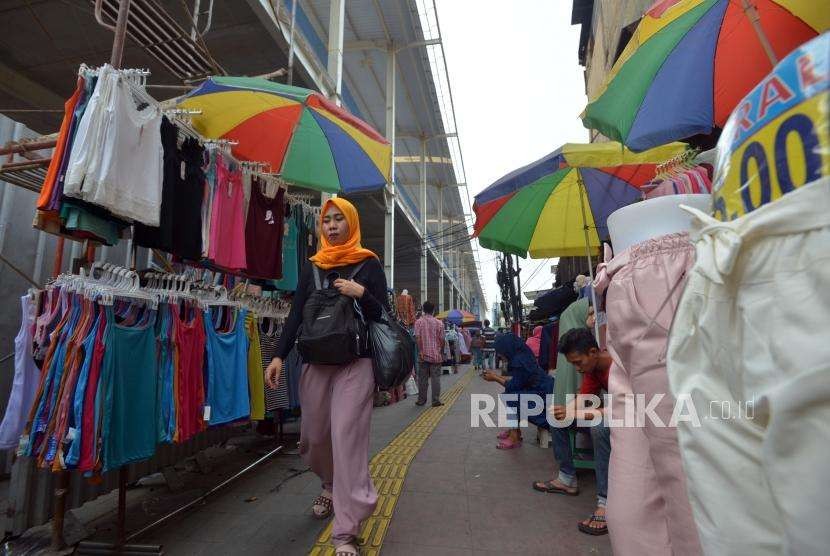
<point x="393" y="352"/>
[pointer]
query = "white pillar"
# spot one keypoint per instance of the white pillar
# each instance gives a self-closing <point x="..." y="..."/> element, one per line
<point x="337" y="16"/>
<point x="443" y="239"/>
<point x="425" y="248"/>
<point x="389" y="193"/>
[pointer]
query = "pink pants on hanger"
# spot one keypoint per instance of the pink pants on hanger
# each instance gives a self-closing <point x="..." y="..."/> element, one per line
<point x="644" y="284"/>
<point x="334" y="439"/>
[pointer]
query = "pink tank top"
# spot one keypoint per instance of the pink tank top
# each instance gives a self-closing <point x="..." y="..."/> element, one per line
<point x="227" y="230"/>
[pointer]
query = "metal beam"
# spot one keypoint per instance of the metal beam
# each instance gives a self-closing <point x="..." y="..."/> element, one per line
<point x="389" y="192"/>
<point x="337" y="17"/>
<point x="352" y="46"/>
<point x="441" y="250"/>
<point x="279" y="27"/>
<point x="417" y="159"/>
<point x="423" y="199"/>
<point x="17" y="85"/>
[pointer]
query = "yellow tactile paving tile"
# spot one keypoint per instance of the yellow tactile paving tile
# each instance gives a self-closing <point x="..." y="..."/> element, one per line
<point x="388" y="471"/>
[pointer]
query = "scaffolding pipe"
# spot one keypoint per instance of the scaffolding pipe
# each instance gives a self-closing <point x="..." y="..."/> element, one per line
<point x="120" y="34"/>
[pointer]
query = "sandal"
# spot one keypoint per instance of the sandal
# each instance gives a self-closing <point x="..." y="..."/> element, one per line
<point x="596" y="531"/>
<point x="504" y="434"/>
<point x="551" y="487"/>
<point x="326" y="505"/>
<point x="508" y="444"/>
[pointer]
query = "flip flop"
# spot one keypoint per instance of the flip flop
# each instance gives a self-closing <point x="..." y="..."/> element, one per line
<point x="595" y="531"/>
<point x="550" y="488"/>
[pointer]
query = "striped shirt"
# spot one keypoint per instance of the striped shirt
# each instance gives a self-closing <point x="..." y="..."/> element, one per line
<point x="429" y="333"/>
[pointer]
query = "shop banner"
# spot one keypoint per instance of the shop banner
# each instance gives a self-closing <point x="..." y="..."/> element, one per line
<point x="778" y="138"/>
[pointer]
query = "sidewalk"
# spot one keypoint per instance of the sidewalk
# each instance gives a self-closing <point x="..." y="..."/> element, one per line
<point x="444" y="490"/>
<point x="463" y="496"/>
<point x="269" y="510"/>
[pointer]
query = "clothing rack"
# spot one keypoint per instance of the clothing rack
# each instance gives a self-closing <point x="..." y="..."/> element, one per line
<point x="680" y="161"/>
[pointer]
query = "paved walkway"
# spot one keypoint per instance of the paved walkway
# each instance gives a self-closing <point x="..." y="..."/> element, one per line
<point x="444" y="490"/>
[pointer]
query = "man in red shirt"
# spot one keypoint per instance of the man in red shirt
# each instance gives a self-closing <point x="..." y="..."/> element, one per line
<point x="429" y="333"/>
<point x="581" y="350"/>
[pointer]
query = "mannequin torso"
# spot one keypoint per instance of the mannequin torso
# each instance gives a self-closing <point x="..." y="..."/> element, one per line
<point x="652" y="218"/>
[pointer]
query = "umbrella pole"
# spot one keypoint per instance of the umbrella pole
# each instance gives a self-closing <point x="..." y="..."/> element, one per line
<point x="755" y="19"/>
<point x="582" y="195"/>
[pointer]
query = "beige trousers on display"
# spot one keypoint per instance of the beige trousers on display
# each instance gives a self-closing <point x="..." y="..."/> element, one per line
<point x="750" y="345"/>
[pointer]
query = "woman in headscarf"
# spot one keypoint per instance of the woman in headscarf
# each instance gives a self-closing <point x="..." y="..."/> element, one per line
<point x="337" y="400"/>
<point x="535" y="341"/>
<point x="526" y="378"/>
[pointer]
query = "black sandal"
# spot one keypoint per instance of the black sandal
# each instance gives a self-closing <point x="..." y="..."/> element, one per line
<point x="596" y="531"/>
<point x="326" y="503"/>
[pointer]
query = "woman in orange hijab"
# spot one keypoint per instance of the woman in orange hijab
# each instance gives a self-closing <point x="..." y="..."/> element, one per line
<point x="337" y="400"/>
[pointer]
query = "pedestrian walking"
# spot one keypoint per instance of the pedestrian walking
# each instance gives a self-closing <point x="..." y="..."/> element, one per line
<point x="429" y="335"/>
<point x="337" y="399"/>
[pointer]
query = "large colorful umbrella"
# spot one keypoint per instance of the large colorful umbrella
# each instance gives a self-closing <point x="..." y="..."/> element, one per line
<point x="690" y="62"/>
<point x="544" y="208"/>
<point x="764" y="154"/>
<point x="457" y="316"/>
<point x="307" y="139"/>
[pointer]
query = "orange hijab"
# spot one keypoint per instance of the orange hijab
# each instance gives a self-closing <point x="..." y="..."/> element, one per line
<point x="331" y="256"/>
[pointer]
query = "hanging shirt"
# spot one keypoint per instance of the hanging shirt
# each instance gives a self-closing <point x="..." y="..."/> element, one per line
<point x="274" y="399"/>
<point x="189" y="387"/>
<point x="290" y="267"/>
<point x="117" y="157"/>
<point x="130" y="404"/>
<point x="227" y="370"/>
<point x="26" y="378"/>
<point x="161" y="236"/>
<point x="60" y="147"/>
<point x="188" y="199"/>
<point x="256" y="378"/>
<point x="227" y="222"/>
<point x="264" y="231"/>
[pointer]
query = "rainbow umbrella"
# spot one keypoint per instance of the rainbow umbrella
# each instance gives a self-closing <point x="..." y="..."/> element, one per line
<point x="690" y="62"/>
<point x="765" y="154"/>
<point x="558" y="205"/>
<point x="308" y="140"/>
<point x="457" y="316"/>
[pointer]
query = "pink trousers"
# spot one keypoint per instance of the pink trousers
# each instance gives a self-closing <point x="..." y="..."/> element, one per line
<point x="647" y="496"/>
<point x="334" y="439"/>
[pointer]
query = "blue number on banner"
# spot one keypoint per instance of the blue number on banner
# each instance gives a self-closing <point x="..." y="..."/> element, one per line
<point x="755" y="151"/>
<point x="719" y="208"/>
<point x="803" y="126"/>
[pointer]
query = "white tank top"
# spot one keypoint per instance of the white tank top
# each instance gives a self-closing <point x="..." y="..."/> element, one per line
<point x="26" y="377"/>
<point x="116" y="157"/>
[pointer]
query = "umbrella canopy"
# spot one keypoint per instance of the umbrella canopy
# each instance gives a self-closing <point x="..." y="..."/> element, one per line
<point x="308" y="140"/>
<point x="457" y="316"/>
<point x="787" y="141"/>
<point x="537" y="209"/>
<point x="690" y="62"/>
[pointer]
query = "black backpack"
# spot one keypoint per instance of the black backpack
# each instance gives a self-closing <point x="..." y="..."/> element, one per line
<point x="333" y="330"/>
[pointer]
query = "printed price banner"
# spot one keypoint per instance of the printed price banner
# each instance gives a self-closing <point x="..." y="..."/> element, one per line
<point x="778" y="138"/>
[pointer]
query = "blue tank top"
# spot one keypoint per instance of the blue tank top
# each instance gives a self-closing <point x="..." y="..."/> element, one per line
<point x="74" y="452"/>
<point x="227" y="370"/>
<point x="130" y="375"/>
<point x="167" y="405"/>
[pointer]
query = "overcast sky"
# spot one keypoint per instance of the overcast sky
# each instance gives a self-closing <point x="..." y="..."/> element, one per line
<point x="518" y="90"/>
